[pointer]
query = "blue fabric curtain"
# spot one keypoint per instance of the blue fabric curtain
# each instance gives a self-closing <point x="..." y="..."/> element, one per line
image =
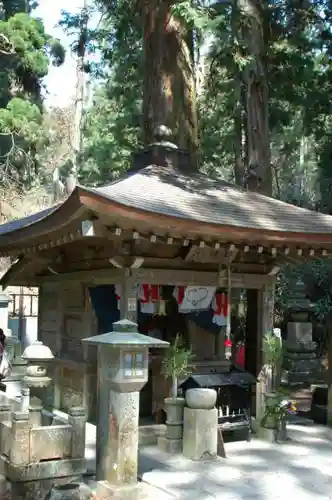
<point x="104" y="302"/>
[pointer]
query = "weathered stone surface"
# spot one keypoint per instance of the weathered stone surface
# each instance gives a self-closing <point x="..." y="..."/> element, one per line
<point x="174" y="431"/>
<point x="172" y="446"/>
<point x="37" y="490"/>
<point x="71" y="491"/>
<point x="5" y="437"/>
<point x="77" y="420"/>
<point x="200" y="433"/>
<point x="45" y="470"/>
<point x="299" y="332"/>
<point x="58" y="439"/>
<point x="174" y="410"/>
<point x="201" y="398"/>
<point x="106" y="491"/>
<point x="20" y="447"/>
<point x="123" y="438"/>
<point x="300" y="363"/>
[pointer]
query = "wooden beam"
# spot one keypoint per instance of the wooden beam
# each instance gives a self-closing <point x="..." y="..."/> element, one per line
<point x="155" y="277"/>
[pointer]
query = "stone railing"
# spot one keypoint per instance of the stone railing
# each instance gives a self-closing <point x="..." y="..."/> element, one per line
<point x="33" y="458"/>
<point x="22" y="444"/>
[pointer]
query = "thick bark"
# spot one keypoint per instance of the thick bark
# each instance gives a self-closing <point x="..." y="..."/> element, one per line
<point x="238" y="137"/>
<point x="250" y="32"/>
<point x="80" y="95"/>
<point x="169" y="94"/>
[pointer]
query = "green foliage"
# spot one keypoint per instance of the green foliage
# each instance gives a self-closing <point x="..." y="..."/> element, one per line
<point x="25" y="54"/>
<point x="277" y="409"/>
<point x="21" y="118"/>
<point x="272" y="349"/>
<point x="178" y="360"/>
<point x="112" y="127"/>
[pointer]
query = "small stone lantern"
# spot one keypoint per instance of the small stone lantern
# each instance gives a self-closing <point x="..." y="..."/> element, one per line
<point x="4" y="302"/>
<point x="38" y="357"/>
<point x="123" y="369"/>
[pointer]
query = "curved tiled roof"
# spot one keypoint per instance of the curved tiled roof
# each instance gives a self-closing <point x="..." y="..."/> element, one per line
<point x="197" y="197"/>
<point x="13" y="225"/>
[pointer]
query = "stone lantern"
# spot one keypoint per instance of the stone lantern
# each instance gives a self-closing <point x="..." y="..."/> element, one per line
<point x="38" y="356"/>
<point x="123" y="369"/>
<point x="4" y="302"/>
<point x="11" y="341"/>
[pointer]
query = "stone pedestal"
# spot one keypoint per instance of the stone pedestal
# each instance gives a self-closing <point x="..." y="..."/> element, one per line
<point x="200" y="433"/>
<point x="172" y="442"/>
<point x="300" y="363"/>
<point x="35" y="412"/>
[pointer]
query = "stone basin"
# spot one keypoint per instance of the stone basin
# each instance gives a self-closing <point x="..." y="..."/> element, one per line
<point x="201" y="398"/>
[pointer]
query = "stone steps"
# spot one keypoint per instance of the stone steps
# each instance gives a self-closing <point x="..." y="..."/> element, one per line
<point x="148" y="434"/>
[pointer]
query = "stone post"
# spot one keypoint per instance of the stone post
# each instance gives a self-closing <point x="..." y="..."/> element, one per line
<point x="123" y="442"/>
<point x="25" y="400"/>
<point x="77" y="419"/>
<point x="35" y="412"/>
<point x="20" y="446"/>
<point x="5" y="412"/>
<point x="200" y="425"/>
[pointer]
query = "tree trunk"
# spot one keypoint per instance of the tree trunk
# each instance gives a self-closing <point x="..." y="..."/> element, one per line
<point x="174" y="387"/>
<point x="250" y="28"/>
<point x="169" y="94"/>
<point x="80" y="92"/>
<point x="238" y="137"/>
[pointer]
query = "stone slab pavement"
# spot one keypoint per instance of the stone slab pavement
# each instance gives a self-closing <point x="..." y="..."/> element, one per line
<point x="299" y="469"/>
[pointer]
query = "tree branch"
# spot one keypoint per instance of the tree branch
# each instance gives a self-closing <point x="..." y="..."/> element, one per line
<point x="6" y="46"/>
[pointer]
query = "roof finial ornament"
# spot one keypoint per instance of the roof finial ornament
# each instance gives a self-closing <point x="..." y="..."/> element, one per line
<point x="163" y="136"/>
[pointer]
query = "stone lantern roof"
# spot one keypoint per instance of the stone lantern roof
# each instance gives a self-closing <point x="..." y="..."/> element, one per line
<point x="125" y="334"/>
<point x="37" y="351"/>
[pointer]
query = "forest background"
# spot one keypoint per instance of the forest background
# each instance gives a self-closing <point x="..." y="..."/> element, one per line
<point x="261" y="72"/>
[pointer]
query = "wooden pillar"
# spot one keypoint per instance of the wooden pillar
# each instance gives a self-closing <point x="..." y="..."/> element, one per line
<point x="266" y="316"/>
<point x="128" y="299"/>
<point x="253" y="334"/>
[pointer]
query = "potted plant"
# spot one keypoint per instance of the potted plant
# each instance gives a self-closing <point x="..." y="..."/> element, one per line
<point x="272" y="352"/>
<point x="177" y="364"/>
<point x="275" y="415"/>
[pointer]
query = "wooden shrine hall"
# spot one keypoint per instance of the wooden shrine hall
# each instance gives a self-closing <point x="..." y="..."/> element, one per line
<point x="142" y="246"/>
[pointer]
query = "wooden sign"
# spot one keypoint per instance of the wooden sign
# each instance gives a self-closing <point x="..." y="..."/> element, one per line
<point x="205" y="254"/>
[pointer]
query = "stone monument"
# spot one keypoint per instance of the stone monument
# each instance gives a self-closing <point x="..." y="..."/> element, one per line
<point x="300" y="363"/>
<point x="123" y="369"/>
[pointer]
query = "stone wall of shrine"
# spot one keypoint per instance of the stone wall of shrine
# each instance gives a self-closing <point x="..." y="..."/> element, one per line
<point x="65" y="318"/>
